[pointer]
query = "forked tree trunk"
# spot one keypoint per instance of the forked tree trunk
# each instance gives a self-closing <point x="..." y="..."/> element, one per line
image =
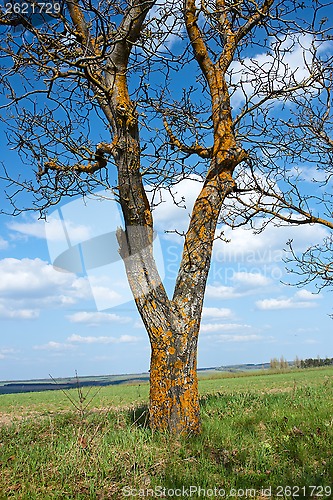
<point x="174" y="397"/>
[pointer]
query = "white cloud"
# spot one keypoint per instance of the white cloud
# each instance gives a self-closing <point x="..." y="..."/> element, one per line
<point x="216" y="312"/>
<point x="31" y="278"/>
<point x="310" y="173"/>
<point x="28" y="285"/>
<point x="96" y="318"/>
<point x="54" y="346"/>
<point x="35" y="278"/>
<point x="221" y="292"/>
<point x="172" y="26"/>
<point x="283" y="303"/>
<point x="8" y="313"/>
<point x="245" y="283"/>
<point x="307" y="330"/>
<point x="79" y="339"/>
<point x="104" y="296"/>
<point x="216" y="327"/>
<point x="266" y="247"/>
<point x="289" y="62"/>
<point x="7" y="352"/>
<point x="238" y="338"/>
<point x="168" y="216"/>
<point x="307" y="295"/>
<point x="301" y="300"/>
<point x="245" y="247"/>
<point x="74" y="340"/>
<point x="55" y="229"/>
<point x="251" y="280"/>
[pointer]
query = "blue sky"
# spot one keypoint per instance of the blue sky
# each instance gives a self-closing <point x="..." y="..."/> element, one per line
<point x="55" y="322"/>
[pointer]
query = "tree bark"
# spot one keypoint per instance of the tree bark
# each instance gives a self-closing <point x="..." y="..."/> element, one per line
<point x="174" y="396"/>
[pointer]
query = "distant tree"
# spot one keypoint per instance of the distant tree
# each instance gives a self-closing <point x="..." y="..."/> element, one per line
<point x="279" y="364"/>
<point x="283" y="363"/>
<point x="274" y="364"/>
<point x="93" y="98"/>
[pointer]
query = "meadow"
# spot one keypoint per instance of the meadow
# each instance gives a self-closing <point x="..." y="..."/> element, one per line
<point x="265" y="435"/>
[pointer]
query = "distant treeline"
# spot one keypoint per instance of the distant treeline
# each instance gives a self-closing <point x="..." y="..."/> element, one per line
<point x="282" y="363"/>
<point x="312" y="362"/>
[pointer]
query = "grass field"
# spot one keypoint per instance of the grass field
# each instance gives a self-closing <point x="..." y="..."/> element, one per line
<point x="265" y="435"/>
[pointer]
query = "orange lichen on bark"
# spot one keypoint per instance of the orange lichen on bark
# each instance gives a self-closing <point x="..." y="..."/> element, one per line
<point x="174" y="400"/>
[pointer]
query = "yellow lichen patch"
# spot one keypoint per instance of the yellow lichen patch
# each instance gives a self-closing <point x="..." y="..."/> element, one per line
<point x="178" y="365"/>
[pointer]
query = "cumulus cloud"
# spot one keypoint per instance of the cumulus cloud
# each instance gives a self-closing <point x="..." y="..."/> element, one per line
<point x="7" y="353"/>
<point x="302" y="299"/>
<point x="244" y="284"/>
<point x="79" y="339"/>
<point x="175" y="206"/>
<point x="288" y="60"/>
<point x="266" y="247"/>
<point x="105" y="296"/>
<point x="172" y="26"/>
<point x="307" y="295"/>
<point x="138" y="324"/>
<point x="74" y="340"/>
<point x="53" y="229"/>
<point x="54" y="346"/>
<point x="238" y="338"/>
<point x="216" y="327"/>
<point x="34" y="278"/>
<point x="250" y="280"/>
<point x="96" y="318"/>
<point x="297" y="302"/>
<point x="216" y="312"/>
<point x="244" y="246"/>
<point x="28" y="285"/>
<point x="9" y="313"/>
<point x="221" y="292"/>
<point x="310" y="173"/>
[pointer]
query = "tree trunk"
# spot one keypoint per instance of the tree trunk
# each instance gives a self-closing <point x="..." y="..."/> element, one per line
<point x="174" y="397"/>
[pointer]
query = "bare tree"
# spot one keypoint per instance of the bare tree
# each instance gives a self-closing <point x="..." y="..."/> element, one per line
<point x="104" y="62"/>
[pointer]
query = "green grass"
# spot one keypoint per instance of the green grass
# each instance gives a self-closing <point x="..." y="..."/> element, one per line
<point x="259" y="431"/>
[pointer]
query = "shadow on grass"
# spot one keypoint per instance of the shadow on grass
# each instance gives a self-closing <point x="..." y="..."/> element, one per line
<point x="208" y="399"/>
<point x="139" y="417"/>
